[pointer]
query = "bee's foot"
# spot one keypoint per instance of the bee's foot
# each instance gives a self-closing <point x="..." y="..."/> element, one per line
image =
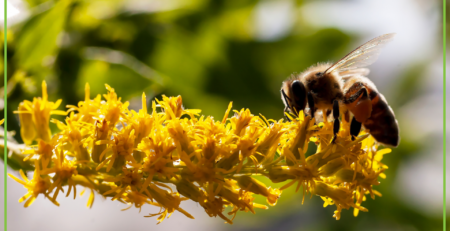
<point x="333" y="141"/>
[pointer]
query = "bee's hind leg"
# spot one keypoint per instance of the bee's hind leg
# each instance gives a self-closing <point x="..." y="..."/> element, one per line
<point x="337" y="123"/>
<point x="355" y="128"/>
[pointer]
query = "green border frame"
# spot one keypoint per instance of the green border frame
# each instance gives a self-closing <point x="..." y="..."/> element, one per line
<point x="5" y="164"/>
<point x="444" y="119"/>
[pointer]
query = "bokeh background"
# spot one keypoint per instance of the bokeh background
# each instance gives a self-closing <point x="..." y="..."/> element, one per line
<point x="217" y="51"/>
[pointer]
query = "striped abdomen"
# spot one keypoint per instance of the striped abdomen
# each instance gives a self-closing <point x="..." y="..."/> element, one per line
<point x="382" y="124"/>
<point x="371" y="109"/>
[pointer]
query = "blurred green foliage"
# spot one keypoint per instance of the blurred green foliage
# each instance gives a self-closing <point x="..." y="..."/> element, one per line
<point x="206" y="51"/>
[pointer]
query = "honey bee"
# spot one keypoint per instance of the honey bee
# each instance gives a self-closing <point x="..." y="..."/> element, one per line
<point x="343" y="86"/>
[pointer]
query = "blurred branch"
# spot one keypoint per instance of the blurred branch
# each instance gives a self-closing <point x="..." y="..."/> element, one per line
<point x="118" y="57"/>
<point x="15" y="156"/>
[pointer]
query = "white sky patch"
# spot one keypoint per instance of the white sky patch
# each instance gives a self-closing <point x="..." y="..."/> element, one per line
<point x="16" y="12"/>
<point x="419" y="183"/>
<point x="12" y="10"/>
<point x="273" y="19"/>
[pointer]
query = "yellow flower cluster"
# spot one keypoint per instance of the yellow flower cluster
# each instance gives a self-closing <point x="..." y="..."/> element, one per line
<point x="173" y="154"/>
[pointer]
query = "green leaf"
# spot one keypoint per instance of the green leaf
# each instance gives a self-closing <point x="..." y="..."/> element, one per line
<point x="34" y="3"/>
<point x="38" y="39"/>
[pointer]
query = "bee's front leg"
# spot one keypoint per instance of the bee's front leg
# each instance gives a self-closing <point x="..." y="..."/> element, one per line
<point x="286" y="110"/>
<point x="337" y="123"/>
<point x="287" y="103"/>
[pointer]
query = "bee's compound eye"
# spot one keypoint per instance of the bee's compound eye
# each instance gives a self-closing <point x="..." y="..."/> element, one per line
<point x="298" y="88"/>
<point x="299" y="92"/>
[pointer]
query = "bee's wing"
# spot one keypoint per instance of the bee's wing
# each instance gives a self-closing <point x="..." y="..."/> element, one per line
<point x="362" y="56"/>
<point x="354" y="72"/>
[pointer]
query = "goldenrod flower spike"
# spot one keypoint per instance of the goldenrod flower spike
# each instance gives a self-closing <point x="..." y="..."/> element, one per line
<point x="135" y="157"/>
<point x="35" y="116"/>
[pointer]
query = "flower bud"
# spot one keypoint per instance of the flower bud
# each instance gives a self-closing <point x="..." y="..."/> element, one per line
<point x="27" y="128"/>
<point x="189" y="190"/>
<point x="101" y="133"/>
<point x="280" y="174"/>
<point x="257" y="187"/>
<point x="332" y="167"/>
